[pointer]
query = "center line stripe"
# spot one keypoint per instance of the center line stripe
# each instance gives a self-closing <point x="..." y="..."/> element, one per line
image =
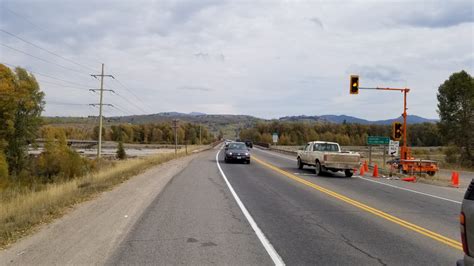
<point x="445" y="240"/>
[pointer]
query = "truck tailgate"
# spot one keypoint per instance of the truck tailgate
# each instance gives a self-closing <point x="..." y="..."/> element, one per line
<point x="342" y="158"/>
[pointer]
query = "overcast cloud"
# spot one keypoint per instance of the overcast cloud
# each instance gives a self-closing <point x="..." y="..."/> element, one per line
<point x="262" y="58"/>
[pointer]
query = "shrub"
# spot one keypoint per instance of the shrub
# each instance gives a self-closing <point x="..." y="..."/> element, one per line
<point x="121" y="155"/>
<point x="3" y="170"/>
<point x="60" y="161"/>
<point x="452" y="154"/>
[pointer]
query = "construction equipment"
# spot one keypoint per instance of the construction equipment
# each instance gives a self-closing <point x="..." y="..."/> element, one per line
<point x="406" y="164"/>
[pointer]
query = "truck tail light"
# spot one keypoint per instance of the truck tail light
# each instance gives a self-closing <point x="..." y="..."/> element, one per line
<point x="462" y="221"/>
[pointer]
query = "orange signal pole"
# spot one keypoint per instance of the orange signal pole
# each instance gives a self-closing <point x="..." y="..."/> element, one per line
<point x="404" y="149"/>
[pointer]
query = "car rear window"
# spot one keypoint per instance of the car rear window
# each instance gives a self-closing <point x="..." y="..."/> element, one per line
<point x="470" y="191"/>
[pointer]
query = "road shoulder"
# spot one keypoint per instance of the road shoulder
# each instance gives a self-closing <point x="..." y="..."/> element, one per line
<point x="93" y="229"/>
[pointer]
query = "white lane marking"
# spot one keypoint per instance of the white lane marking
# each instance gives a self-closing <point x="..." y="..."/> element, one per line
<point x="266" y="244"/>
<point x="381" y="183"/>
<point x="411" y="190"/>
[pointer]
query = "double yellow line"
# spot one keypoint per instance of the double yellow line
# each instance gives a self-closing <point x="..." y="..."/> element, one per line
<point x="445" y="240"/>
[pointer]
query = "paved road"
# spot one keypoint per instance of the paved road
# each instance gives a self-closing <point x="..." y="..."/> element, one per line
<point x="265" y="213"/>
<point x="196" y="220"/>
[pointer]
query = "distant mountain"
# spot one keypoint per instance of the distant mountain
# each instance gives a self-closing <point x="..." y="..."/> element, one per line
<point x="196" y="113"/>
<point x="339" y="119"/>
<point x="411" y="119"/>
<point x="302" y="118"/>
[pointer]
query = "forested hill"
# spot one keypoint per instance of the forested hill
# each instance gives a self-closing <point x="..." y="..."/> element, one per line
<point x="228" y="124"/>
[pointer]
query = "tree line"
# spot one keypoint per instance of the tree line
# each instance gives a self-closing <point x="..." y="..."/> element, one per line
<point x="346" y="134"/>
<point x="150" y="133"/>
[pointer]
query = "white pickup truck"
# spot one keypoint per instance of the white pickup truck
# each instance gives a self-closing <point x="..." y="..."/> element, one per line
<point x="327" y="156"/>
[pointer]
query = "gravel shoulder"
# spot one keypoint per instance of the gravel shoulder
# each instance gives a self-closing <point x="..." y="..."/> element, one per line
<point x="93" y="229"/>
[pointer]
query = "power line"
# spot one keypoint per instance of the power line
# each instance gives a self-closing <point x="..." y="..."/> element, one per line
<point x="41" y="59"/>
<point x="48" y="76"/>
<point x="46" y="50"/>
<point x="65" y="86"/>
<point x="64" y="103"/>
<point x="25" y="18"/>
<point x="120" y="109"/>
<point x="131" y="92"/>
<point x="132" y="103"/>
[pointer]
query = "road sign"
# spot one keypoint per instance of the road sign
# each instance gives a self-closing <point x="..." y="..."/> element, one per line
<point x="393" y="148"/>
<point x="377" y="140"/>
<point x="275" y="137"/>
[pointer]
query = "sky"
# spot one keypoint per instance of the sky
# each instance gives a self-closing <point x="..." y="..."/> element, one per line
<point x="263" y="58"/>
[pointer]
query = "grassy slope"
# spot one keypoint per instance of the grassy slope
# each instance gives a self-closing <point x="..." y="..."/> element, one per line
<point x="22" y="212"/>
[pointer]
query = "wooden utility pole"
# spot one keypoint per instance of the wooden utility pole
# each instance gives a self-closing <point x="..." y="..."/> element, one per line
<point x="101" y="104"/>
<point x="175" y="126"/>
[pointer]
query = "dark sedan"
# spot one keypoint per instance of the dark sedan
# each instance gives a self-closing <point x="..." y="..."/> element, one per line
<point x="237" y="151"/>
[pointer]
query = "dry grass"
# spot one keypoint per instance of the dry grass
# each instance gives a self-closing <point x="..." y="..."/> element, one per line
<point x="20" y="214"/>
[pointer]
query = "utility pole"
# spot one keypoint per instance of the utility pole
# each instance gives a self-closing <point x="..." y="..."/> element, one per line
<point x="175" y="126"/>
<point x="200" y="137"/>
<point x="101" y="104"/>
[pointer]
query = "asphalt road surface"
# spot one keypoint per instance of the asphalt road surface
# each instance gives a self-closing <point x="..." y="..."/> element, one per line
<point x="269" y="212"/>
<point x="197" y="220"/>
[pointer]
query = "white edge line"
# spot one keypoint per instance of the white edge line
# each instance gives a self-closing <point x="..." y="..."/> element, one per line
<point x="411" y="190"/>
<point x="266" y="244"/>
<point x="381" y="183"/>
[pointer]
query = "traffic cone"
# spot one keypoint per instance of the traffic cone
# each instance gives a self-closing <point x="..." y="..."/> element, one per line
<point x="366" y="166"/>
<point x="409" y="179"/>
<point x="362" y="172"/>
<point x="376" y="171"/>
<point x="455" y="179"/>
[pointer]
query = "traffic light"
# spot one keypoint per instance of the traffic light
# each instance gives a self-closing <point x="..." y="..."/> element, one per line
<point x="354" y="85"/>
<point x="397" y="131"/>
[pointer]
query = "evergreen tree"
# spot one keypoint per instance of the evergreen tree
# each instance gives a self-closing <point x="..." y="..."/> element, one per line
<point x="456" y="110"/>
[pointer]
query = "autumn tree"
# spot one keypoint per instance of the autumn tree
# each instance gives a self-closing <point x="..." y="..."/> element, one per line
<point x="21" y="104"/>
<point x="456" y="111"/>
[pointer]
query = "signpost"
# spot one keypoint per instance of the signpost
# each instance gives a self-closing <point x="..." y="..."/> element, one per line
<point x="377" y="140"/>
<point x="393" y="148"/>
<point x="275" y="138"/>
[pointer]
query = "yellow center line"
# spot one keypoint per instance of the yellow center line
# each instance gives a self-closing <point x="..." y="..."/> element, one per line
<point x="445" y="240"/>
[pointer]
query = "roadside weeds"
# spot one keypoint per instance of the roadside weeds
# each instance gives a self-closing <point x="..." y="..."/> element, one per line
<point x="22" y="215"/>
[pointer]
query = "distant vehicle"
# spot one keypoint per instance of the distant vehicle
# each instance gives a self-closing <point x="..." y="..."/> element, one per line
<point x="237" y="151"/>
<point x="327" y="156"/>
<point x="466" y="219"/>
<point x="249" y="143"/>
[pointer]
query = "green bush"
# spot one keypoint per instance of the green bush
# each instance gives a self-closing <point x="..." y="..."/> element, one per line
<point x="452" y="154"/>
<point x="121" y="155"/>
<point x="58" y="161"/>
<point x="3" y="170"/>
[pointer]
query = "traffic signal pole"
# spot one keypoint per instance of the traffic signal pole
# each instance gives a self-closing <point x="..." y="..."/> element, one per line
<point x="404" y="149"/>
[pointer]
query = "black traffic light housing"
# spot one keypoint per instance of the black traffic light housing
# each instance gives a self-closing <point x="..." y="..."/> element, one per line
<point x="354" y="85"/>
<point x="397" y="131"/>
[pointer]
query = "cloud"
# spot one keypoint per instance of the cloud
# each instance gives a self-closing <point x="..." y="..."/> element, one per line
<point x="262" y="58"/>
<point x="194" y="88"/>
<point x="317" y="21"/>
<point x="438" y="15"/>
<point x="377" y="73"/>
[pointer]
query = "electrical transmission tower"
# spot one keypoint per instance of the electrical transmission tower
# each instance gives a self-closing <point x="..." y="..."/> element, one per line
<point x="101" y="104"/>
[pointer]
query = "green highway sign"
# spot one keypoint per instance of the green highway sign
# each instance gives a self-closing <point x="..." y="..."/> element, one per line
<point x="377" y="140"/>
